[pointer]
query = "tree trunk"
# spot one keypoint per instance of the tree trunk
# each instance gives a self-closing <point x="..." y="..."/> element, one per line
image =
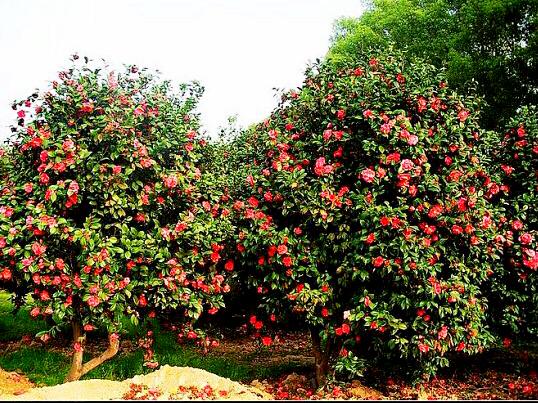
<point x="321" y="357"/>
<point x="78" y="369"/>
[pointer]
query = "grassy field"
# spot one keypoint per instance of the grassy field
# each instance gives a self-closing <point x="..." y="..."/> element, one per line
<point x="45" y="366"/>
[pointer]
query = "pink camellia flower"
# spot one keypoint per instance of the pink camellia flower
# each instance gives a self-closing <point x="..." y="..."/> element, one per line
<point x="463" y="115"/>
<point x="340" y="114"/>
<point x="73" y="187"/>
<point x="530" y="259"/>
<point x="407" y="165"/>
<point x="526" y="238"/>
<point x="43" y="178"/>
<point x="35" y="312"/>
<point x="38" y="249"/>
<point x="385" y="128"/>
<point x="412" y="140"/>
<point x="368" y="175"/>
<point x="21" y="114"/>
<point x="68" y="145"/>
<point x="112" y="80"/>
<point x="44" y="338"/>
<point x="517" y="225"/>
<point x="93" y="301"/>
<point x="28" y="187"/>
<point x="442" y="333"/>
<point x="423" y="348"/>
<point x="116" y="169"/>
<point x="367" y="113"/>
<point x="139" y="110"/>
<point x="170" y="181"/>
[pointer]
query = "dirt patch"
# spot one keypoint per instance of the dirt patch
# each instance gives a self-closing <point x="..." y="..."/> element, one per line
<point x="13" y="384"/>
<point x="166" y="383"/>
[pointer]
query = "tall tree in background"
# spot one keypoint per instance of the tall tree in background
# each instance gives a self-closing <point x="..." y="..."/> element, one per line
<point x="492" y="42"/>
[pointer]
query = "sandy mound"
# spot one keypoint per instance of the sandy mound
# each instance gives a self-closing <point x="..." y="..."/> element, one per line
<point x="12" y="383"/>
<point x="168" y="382"/>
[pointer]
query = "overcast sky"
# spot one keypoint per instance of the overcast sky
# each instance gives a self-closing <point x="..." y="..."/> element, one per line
<point x="238" y="49"/>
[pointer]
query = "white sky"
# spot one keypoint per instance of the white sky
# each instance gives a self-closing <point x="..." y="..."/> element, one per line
<point x="238" y="49"/>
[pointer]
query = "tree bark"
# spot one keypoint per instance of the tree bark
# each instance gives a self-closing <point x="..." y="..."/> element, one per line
<point x="78" y="368"/>
<point x="321" y="357"/>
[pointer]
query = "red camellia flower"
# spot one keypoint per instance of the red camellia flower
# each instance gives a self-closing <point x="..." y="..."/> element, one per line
<point x="324" y="312"/>
<point x="378" y="261"/>
<point x="370" y="238"/>
<point x="267" y="341"/>
<point x="229" y="265"/>
<point x="287" y="261"/>
<point x="340" y="114"/>
<point x="384" y="221"/>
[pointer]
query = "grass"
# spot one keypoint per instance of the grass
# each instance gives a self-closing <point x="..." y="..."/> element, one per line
<point x="45" y="367"/>
<point x="13" y="327"/>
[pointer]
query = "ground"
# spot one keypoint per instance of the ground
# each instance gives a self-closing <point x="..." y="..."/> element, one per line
<point x="283" y="370"/>
<point x="483" y="378"/>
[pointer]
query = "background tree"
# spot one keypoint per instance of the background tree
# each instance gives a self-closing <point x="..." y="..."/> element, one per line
<point x="491" y="42"/>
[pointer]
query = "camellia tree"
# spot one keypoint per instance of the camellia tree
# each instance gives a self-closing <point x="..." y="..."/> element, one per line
<point x="514" y="286"/>
<point x="104" y="213"/>
<point x="368" y="217"/>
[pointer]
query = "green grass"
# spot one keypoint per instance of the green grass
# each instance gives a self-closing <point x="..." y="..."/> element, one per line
<point x="45" y="367"/>
<point x="13" y="327"/>
<point x="41" y="366"/>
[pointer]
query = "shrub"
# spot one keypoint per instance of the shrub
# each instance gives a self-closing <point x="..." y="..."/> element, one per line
<point x="103" y="209"/>
<point x="368" y="216"/>
<point x="514" y="287"/>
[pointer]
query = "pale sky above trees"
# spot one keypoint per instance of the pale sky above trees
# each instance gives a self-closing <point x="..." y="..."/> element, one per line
<point x="238" y="49"/>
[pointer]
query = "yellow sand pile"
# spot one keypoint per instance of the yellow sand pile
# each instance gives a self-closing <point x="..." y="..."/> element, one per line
<point x="168" y="382"/>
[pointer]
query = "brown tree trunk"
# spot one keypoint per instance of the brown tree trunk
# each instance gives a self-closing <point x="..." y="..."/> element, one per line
<point x="321" y="357"/>
<point x="78" y="368"/>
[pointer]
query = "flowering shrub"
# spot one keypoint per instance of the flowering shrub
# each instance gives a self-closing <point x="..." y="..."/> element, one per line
<point x="368" y="216"/>
<point x="103" y="209"/>
<point x="514" y="286"/>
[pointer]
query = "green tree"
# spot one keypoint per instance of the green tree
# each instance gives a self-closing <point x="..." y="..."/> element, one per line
<point x="490" y="44"/>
